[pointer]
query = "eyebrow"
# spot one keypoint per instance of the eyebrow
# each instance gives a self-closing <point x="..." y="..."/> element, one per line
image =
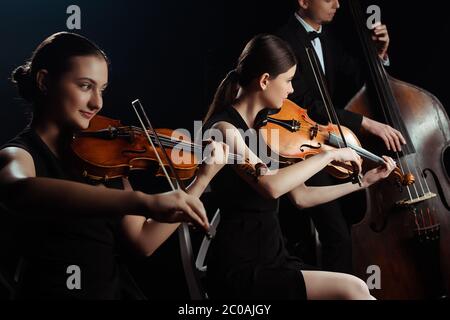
<point x="92" y="80"/>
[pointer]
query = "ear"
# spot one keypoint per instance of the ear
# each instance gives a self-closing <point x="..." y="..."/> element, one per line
<point x="264" y="81"/>
<point x="42" y="80"/>
<point x="303" y="4"/>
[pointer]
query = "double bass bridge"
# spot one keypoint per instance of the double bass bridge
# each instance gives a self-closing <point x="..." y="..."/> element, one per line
<point x="427" y="227"/>
<point x="415" y="201"/>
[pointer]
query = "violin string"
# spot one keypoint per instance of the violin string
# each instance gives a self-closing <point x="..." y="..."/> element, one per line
<point x="367" y="154"/>
<point x="169" y="142"/>
<point x="361" y="151"/>
<point x="210" y="233"/>
<point x="188" y="147"/>
<point x="357" y="148"/>
<point x="154" y="148"/>
<point x="169" y="162"/>
<point x="184" y="145"/>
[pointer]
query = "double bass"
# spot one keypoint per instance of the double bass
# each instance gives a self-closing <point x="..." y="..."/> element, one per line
<point x="405" y="233"/>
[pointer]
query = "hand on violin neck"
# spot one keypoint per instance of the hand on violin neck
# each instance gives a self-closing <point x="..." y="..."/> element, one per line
<point x="346" y="155"/>
<point x="175" y="206"/>
<point x="379" y="173"/>
<point x="393" y="139"/>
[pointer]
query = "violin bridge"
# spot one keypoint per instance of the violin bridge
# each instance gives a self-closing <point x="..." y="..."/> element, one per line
<point x="313" y="132"/>
<point x="411" y="202"/>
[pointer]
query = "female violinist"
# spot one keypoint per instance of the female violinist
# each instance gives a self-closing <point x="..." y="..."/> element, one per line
<point x="247" y="258"/>
<point x="67" y="223"/>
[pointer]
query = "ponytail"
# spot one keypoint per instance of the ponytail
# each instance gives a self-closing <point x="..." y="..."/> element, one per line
<point x="225" y="94"/>
<point x="264" y="53"/>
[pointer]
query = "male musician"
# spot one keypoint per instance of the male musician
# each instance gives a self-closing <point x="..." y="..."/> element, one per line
<point x="308" y="27"/>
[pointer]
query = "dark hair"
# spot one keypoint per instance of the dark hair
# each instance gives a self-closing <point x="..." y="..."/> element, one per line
<point x="264" y="53"/>
<point x="53" y="54"/>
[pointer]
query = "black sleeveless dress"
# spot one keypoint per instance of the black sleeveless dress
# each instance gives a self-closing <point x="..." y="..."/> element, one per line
<point x="50" y="244"/>
<point x="247" y="258"/>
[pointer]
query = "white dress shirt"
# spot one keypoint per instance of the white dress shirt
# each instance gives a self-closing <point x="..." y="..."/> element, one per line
<point x="317" y="45"/>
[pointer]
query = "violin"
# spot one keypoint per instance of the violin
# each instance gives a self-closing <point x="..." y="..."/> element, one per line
<point x="300" y="138"/>
<point x="108" y="150"/>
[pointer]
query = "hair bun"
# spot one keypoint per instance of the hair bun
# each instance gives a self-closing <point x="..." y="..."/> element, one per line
<point x="21" y="76"/>
<point x="21" y="73"/>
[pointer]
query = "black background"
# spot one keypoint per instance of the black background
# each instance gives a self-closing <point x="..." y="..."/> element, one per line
<point x="173" y="54"/>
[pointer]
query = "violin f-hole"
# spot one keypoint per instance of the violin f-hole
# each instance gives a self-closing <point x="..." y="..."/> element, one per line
<point x="310" y="146"/>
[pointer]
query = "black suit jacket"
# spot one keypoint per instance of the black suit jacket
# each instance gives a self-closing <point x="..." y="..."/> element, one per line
<point x="340" y="69"/>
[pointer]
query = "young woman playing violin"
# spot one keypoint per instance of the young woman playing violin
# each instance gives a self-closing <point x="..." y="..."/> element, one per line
<point x="68" y="223"/>
<point x="247" y="258"/>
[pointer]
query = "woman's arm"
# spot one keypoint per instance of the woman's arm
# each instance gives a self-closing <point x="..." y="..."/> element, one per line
<point x="22" y="191"/>
<point x="147" y="234"/>
<point x="306" y="197"/>
<point x="275" y="183"/>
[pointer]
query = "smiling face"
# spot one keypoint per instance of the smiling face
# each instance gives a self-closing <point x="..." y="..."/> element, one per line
<point x="76" y="96"/>
<point x="278" y="89"/>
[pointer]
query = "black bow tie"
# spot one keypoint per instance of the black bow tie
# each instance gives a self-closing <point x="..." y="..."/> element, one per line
<point x="313" y="35"/>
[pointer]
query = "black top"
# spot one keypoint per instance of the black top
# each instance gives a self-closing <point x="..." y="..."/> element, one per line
<point x="52" y="243"/>
<point x="247" y="258"/>
<point x="343" y="74"/>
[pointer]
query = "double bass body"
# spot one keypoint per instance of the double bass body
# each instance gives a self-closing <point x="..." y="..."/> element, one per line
<point x="408" y="243"/>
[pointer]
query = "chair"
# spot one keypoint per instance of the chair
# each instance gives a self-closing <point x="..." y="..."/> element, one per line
<point x="195" y="268"/>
